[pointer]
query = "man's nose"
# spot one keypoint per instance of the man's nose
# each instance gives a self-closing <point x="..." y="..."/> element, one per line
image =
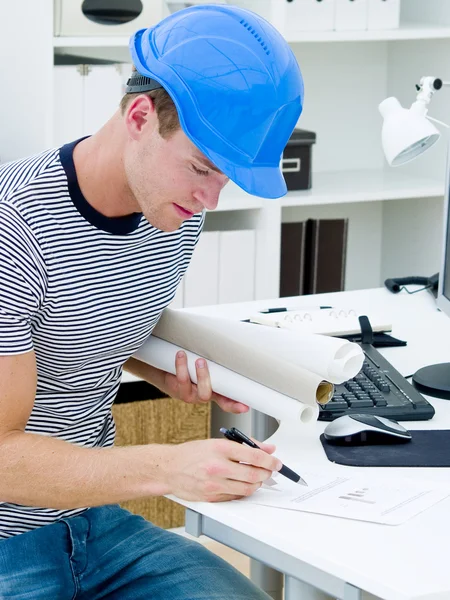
<point x="209" y="194"/>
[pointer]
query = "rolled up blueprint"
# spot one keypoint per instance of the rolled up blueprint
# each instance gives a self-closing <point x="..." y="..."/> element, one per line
<point x="296" y="365"/>
<point x="161" y="354"/>
<point x="335" y="359"/>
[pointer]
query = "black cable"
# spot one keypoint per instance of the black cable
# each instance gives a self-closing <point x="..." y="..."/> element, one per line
<point x="427" y="287"/>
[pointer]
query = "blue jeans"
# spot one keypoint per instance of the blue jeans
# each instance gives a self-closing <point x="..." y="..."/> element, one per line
<point x="110" y="554"/>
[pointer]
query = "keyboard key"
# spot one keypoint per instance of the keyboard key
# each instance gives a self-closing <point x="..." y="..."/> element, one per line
<point x="368" y="387"/>
<point x="372" y="375"/>
<point x="341" y="405"/>
<point x="351" y="386"/>
<point x="380" y="401"/>
<point x="379" y="383"/>
<point x="357" y="403"/>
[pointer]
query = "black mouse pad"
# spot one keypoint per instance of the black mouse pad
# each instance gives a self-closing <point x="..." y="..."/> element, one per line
<point x="427" y="448"/>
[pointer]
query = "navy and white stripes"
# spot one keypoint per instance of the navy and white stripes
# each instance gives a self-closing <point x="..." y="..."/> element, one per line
<point x="84" y="292"/>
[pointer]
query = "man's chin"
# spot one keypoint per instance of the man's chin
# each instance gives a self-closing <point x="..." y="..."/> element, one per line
<point x="166" y="225"/>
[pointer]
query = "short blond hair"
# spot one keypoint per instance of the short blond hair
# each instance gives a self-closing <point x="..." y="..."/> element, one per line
<point x="165" y="109"/>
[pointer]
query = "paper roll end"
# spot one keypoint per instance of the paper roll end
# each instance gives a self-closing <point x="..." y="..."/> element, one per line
<point x="308" y="414"/>
<point x="324" y="393"/>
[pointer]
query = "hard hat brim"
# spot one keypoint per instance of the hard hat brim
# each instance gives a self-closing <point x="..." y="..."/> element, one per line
<point x="257" y="180"/>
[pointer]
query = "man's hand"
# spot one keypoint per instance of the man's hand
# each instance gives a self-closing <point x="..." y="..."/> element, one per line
<point x="180" y="386"/>
<point x="217" y="470"/>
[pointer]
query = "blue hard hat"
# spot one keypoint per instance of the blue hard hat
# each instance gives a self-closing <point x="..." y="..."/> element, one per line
<point x="235" y="83"/>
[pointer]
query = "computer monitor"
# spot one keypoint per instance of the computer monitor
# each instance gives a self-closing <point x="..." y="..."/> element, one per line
<point x="434" y="380"/>
<point x="443" y="299"/>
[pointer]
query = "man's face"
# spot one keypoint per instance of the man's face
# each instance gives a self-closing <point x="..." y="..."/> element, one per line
<point x="170" y="178"/>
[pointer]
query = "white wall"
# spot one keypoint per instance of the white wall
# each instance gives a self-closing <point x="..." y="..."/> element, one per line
<point x="26" y="51"/>
<point x="344" y="82"/>
<point x="415" y="247"/>
<point x="412" y="237"/>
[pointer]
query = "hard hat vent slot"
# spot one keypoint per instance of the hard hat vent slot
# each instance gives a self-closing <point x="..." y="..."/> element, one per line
<point x="255" y="35"/>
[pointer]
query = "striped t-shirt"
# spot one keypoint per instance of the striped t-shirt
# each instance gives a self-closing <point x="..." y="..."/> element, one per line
<point x="83" y="291"/>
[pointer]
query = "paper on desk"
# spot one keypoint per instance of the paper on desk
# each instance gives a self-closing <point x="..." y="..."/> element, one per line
<point x="333" y="321"/>
<point x="390" y="502"/>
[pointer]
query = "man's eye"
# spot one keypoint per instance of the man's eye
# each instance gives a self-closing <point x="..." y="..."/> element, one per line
<point x="199" y="171"/>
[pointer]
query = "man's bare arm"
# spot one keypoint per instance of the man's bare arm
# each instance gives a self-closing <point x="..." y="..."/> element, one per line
<point x="39" y="470"/>
<point x="146" y="372"/>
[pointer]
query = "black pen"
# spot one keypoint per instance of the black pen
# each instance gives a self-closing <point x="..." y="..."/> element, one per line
<point x="235" y="435"/>
<point x="286" y="308"/>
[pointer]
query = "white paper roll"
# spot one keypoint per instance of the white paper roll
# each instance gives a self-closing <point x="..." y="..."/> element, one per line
<point x="282" y="360"/>
<point x="161" y="354"/>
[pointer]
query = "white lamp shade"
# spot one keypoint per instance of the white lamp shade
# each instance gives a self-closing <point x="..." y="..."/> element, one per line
<point x="406" y="133"/>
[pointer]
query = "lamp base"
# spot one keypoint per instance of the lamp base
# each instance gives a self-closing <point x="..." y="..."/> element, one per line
<point x="433" y="380"/>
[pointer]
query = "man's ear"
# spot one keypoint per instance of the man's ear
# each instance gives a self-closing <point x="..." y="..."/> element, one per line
<point x="140" y="115"/>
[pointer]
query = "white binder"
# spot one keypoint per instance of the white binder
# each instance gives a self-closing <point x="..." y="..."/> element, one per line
<point x="201" y="281"/>
<point x="103" y="90"/>
<point x="85" y="97"/>
<point x="68" y="103"/>
<point x="383" y="14"/>
<point x="236" y="266"/>
<point x="350" y="15"/>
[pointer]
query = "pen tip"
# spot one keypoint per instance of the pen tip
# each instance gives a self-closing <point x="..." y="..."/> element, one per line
<point x="302" y="482"/>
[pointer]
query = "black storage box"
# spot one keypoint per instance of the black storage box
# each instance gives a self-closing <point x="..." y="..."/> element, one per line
<point x="296" y="160"/>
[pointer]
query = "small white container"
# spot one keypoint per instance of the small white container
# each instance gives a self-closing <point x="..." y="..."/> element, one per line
<point x="350" y="15"/>
<point x="383" y="14"/>
<point x="291" y="17"/>
<point x="271" y="10"/>
<point x="78" y="18"/>
<point x="308" y="15"/>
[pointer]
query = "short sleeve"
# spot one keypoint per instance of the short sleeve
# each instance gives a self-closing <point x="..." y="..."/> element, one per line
<point x="23" y="281"/>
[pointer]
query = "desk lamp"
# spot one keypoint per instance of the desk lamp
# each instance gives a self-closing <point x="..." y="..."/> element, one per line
<point x="406" y="134"/>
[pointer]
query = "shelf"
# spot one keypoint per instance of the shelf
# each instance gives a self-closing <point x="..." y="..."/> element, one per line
<point x="233" y="198"/>
<point x="411" y="31"/>
<point x="105" y="41"/>
<point x="404" y="32"/>
<point x="363" y="186"/>
<point x="340" y="187"/>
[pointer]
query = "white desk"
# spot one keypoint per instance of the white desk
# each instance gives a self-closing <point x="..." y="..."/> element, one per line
<point x="341" y="557"/>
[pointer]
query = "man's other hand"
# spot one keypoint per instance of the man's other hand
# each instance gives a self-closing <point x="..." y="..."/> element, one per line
<point x="180" y="386"/>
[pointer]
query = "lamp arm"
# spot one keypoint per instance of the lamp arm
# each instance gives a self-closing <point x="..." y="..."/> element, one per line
<point x="427" y="87"/>
<point x="437" y="121"/>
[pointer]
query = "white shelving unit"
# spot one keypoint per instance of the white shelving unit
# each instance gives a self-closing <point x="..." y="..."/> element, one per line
<point x="364" y="185"/>
<point x="342" y="187"/>
<point x="347" y="74"/>
<point x="405" y="32"/>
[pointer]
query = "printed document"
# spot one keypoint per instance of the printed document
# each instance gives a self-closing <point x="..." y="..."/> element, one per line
<point x="390" y="502"/>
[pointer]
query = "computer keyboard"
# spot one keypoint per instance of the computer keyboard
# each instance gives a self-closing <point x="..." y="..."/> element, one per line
<point x="377" y="389"/>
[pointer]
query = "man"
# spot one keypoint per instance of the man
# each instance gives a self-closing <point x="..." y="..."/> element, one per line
<point x="95" y="238"/>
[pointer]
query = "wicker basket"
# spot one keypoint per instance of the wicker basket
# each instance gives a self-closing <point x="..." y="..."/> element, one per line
<point x="160" y="421"/>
